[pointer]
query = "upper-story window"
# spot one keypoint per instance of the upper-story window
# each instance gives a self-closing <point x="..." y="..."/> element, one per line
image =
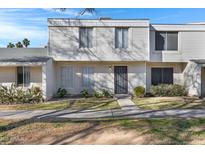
<point x="121" y="38"/>
<point x="85" y="36"/>
<point x="166" y="40"/>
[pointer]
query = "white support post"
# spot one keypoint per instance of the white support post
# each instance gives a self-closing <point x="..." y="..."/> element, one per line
<point x="44" y="74"/>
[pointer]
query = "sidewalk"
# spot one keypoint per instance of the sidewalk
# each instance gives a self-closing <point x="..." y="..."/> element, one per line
<point x="92" y="115"/>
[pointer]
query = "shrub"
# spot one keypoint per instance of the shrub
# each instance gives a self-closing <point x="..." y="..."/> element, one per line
<point x="168" y="90"/>
<point x="61" y="92"/>
<point x="97" y="94"/>
<point x="106" y="93"/>
<point x="14" y="94"/>
<point x="37" y="95"/>
<point x="139" y="91"/>
<point x="84" y="93"/>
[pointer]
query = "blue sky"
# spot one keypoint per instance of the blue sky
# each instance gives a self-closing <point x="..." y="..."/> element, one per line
<point x="17" y="24"/>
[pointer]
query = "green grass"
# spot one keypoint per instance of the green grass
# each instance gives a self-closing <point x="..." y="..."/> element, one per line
<point x="88" y="103"/>
<point x="151" y="131"/>
<point x="156" y="103"/>
<point x="169" y="131"/>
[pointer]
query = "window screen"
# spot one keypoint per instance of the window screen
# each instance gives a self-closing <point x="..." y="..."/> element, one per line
<point x="121" y="38"/>
<point x="20" y="76"/>
<point x="87" y="77"/>
<point x="162" y="76"/>
<point x="172" y="41"/>
<point x="85" y="36"/>
<point x="166" y="40"/>
<point x="67" y="77"/>
<point x="23" y="76"/>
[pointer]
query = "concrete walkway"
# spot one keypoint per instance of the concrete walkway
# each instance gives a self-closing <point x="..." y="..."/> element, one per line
<point x="126" y="103"/>
<point x="94" y="115"/>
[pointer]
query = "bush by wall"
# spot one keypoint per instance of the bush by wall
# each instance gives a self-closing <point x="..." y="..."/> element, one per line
<point x="106" y="93"/>
<point x="97" y="94"/>
<point x="168" y="90"/>
<point x="15" y="94"/>
<point x="84" y="93"/>
<point x="62" y="92"/>
<point x="139" y="91"/>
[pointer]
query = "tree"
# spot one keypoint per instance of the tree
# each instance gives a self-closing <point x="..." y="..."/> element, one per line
<point x="82" y="12"/>
<point x="10" y="45"/>
<point x="26" y="42"/>
<point x="19" y="45"/>
<point x="87" y="10"/>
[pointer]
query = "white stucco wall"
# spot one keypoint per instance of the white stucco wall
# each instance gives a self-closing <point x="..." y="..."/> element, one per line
<point x="64" y="45"/>
<point x="48" y="82"/>
<point x="192" y="79"/>
<point x="22" y="52"/>
<point x="7" y="75"/>
<point x="103" y="76"/>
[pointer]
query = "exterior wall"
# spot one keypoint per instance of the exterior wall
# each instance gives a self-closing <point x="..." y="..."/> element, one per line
<point x="22" y="52"/>
<point x="8" y="76"/>
<point x="202" y="81"/>
<point x="192" y="79"/>
<point x="103" y="76"/>
<point x="190" y="43"/>
<point x="97" y="23"/>
<point x="48" y="74"/>
<point x="64" y="45"/>
<point x="36" y="76"/>
<point x="178" y="69"/>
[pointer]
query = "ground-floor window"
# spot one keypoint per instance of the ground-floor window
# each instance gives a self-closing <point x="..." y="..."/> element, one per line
<point x="67" y="77"/>
<point x="87" y="77"/>
<point x="23" y="76"/>
<point x="162" y="76"/>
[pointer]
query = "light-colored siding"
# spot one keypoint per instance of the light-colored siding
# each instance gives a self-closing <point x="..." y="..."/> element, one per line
<point x="64" y="45"/>
<point x="97" y="23"/>
<point x="22" y="52"/>
<point x="192" y="45"/>
<point x="36" y="76"/>
<point x="48" y="79"/>
<point x="7" y="75"/>
<point x="192" y="78"/>
<point x="103" y="75"/>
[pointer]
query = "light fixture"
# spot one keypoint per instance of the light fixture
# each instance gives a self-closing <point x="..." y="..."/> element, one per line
<point x="110" y="68"/>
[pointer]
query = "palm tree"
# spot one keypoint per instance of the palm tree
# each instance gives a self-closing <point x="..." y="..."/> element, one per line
<point x="10" y="45"/>
<point x="19" y="45"/>
<point x="26" y="42"/>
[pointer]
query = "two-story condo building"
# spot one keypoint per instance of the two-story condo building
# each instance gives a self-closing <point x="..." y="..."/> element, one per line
<point x="116" y="55"/>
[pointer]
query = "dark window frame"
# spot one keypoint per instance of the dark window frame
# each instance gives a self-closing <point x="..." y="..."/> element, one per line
<point x="89" y="41"/>
<point x="159" y="46"/>
<point x="161" y="77"/>
<point x="23" y="72"/>
<point x="123" y="44"/>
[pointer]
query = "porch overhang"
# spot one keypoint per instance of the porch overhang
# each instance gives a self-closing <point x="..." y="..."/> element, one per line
<point x="25" y="61"/>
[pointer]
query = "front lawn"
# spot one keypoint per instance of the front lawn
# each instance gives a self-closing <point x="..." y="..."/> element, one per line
<point x="157" y="103"/>
<point x="88" y="103"/>
<point x="141" y="131"/>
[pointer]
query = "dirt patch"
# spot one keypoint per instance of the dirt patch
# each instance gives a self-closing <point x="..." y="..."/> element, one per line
<point x="147" y="131"/>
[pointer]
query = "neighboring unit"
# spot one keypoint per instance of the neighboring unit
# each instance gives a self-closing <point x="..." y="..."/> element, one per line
<point x="116" y="55"/>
